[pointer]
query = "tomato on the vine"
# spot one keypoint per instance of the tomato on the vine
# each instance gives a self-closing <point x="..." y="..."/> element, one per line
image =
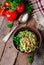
<point x="11" y="15"/>
<point x="20" y="8"/>
<point x="7" y="4"/>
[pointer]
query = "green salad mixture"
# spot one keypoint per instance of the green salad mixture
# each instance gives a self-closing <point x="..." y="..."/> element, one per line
<point x="25" y="41"/>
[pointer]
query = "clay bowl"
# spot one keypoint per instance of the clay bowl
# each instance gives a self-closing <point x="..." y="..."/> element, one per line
<point x="37" y="33"/>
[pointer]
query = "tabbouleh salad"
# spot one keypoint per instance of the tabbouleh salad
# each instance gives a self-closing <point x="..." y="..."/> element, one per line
<point x="26" y="41"/>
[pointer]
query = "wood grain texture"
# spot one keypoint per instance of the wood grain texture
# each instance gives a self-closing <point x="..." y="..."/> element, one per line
<point x="1" y="1"/>
<point x="4" y="30"/>
<point x="1" y="21"/>
<point x="32" y="23"/>
<point x="10" y="52"/>
<point x="39" y="56"/>
<point x="22" y="59"/>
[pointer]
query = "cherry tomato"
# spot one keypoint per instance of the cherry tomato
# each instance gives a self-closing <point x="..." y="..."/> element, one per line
<point x="4" y="12"/>
<point x="1" y="10"/>
<point x="11" y="15"/>
<point x="6" y="4"/>
<point x="20" y="8"/>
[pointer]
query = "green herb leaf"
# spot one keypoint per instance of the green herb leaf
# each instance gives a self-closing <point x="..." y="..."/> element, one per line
<point x="9" y="25"/>
<point x="16" y="40"/>
<point x="13" y="8"/>
<point x="28" y="8"/>
<point x="30" y="59"/>
<point x="9" y="0"/>
<point x="19" y="1"/>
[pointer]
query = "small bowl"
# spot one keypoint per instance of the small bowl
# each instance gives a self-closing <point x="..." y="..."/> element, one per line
<point x="37" y="33"/>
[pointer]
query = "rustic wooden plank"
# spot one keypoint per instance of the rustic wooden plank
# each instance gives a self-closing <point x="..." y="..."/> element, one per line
<point x="10" y="52"/>
<point x="39" y="56"/>
<point x="1" y="48"/>
<point x="32" y="23"/>
<point x="1" y="21"/>
<point x="1" y="45"/>
<point x="22" y="59"/>
<point x="3" y="31"/>
<point x="1" y="1"/>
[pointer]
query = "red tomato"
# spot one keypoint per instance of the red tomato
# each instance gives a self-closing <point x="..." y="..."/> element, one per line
<point x="4" y="12"/>
<point x="6" y="4"/>
<point x="11" y="15"/>
<point x="1" y="10"/>
<point x="20" y="8"/>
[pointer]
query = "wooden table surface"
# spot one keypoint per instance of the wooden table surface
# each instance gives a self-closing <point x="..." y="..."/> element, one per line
<point x="9" y="54"/>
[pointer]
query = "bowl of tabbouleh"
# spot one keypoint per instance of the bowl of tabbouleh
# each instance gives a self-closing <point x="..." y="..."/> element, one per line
<point x="27" y="39"/>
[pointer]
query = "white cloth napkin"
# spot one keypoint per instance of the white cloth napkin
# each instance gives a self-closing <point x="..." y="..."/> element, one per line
<point x="38" y="12"/>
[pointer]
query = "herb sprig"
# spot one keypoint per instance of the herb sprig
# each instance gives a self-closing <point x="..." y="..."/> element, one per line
<point x="30" y="59"/>
<point x="15" y="3"/>
<point x="29" y="8"/>
<point x="9" y="25"/>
